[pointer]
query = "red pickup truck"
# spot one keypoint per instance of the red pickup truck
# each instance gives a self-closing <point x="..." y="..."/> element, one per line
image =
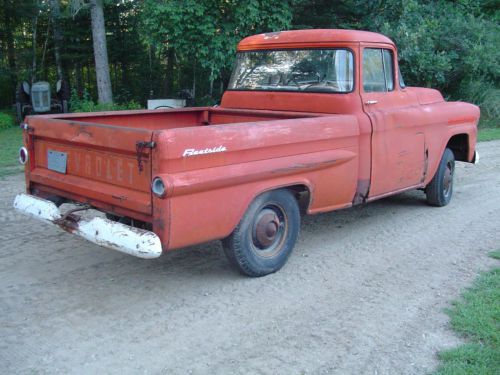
<point x="312" y="121"/>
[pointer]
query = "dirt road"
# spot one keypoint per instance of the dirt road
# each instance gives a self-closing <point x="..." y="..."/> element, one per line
<point x="363" y="293"/>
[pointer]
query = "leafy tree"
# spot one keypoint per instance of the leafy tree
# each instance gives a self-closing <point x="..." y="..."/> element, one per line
<point x="205" y="32"/>
<point x="443" y="44"/>
<point x="157" y="47"/>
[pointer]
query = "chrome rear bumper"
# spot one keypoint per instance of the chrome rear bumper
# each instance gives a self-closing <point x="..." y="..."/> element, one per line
<point x="103" y="232"/>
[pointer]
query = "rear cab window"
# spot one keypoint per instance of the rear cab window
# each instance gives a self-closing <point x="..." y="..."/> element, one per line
<point x="317" y="70"/>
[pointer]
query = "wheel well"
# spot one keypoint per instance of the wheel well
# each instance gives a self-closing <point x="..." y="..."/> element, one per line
<point x="303" y="196"/>
<point x="459" y="144"/>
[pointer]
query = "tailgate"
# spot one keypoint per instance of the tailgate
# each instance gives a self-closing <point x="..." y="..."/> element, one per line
<point x="97" y="164"/>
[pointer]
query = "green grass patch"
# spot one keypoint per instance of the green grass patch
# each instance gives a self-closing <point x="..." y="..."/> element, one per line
<point x="476" y="316"/>
<point x="6" y="120"/>
<point x="488" y="129"/>
<point x="10" y="141"/>
<point x="488" y="134"/>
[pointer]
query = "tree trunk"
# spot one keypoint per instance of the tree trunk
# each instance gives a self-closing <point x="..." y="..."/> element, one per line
<point x="194" y="79"/>
<point x="11" y="52"/>
<point x="89" y="80"/>
<point x="104" y="92"/>
<point x="55" y="15"/>
<point x="150" y="75"/>
<point x="33" y="40"/>
<point x="169" y="79"/>
<point x="79" y="78"/>
<point x="42" y="63"/>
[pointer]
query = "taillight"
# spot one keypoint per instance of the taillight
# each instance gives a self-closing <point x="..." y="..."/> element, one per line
<point x="23" y="155"/>
<point x="158" y="187"/>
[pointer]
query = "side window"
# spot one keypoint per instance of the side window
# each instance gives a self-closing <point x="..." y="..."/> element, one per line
<point x="388" y="69"/>
<point x="378" y="70"/>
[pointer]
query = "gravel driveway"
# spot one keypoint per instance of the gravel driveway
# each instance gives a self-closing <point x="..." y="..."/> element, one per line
<point x="363" y="293"/>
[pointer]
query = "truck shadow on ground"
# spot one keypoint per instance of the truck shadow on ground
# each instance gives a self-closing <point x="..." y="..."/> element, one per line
<point x="208" y="260"/>
<point x="203" y="269"/>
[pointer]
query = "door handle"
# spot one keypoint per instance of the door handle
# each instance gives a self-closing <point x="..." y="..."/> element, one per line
<point x="371" y="102"/>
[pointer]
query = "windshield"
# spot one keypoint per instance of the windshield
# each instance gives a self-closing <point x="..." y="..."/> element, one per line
<point x="320" y="70"/>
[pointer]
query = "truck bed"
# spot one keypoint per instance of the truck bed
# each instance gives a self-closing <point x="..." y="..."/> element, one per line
<point x="103" y="162"/>
<point x="175" y="118"/>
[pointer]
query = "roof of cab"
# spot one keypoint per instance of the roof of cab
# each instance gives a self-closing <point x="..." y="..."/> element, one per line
<point x="312" y="38"/>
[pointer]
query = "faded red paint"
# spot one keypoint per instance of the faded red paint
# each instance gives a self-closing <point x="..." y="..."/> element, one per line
<point x="342" y="150"/>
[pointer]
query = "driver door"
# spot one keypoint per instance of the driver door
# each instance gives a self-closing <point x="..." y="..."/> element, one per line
<point x="398" y="144"/>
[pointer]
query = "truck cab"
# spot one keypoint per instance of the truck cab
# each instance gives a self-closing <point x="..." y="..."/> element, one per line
<point x="355" y="72"/>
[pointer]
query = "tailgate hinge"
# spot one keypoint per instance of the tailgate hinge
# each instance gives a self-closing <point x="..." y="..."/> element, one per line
<point x="139" y="148"/>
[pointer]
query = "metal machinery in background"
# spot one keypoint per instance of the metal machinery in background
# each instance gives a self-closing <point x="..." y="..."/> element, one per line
<point x="37" y="98"/>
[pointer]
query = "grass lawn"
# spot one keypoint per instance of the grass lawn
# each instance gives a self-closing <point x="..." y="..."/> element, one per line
<point x="489" y="129"/>
<point x="476" y="316"/>
<point x="488" y="134"/>
<point x="10" y="141"/>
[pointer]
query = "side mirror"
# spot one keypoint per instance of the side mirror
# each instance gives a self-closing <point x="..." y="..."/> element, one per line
<point x="58" y="86"/>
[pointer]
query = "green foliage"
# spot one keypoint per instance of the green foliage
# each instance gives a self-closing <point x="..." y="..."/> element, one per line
<point x="158" y="47"/>
<point x="10" y="141"/>
<point x="477" y="317"/>
<point x="483" y="94"/>
<point x="6" y="120"/>
<point x="206" y="32"/>
<point x="86" y="104"/>
<point x="448" y="46"/>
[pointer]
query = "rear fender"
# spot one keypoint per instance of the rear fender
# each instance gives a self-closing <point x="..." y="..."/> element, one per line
<point x="208" y="205"/>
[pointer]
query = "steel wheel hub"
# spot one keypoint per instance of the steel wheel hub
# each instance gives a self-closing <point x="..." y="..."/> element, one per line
<point x="266" y="228"/>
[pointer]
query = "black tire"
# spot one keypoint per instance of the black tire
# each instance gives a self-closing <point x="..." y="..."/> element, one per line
<point x="65" y="92"/>
<point x="19" y="112"/>
<point x="266" y="235"/>
<point x="440" y="190"/>
<point x="21" y="96"/>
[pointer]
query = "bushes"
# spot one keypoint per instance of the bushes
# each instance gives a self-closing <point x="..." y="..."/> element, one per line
<point x="6" y="120"/>
<point x="86" y="104"/>
<point x="451" y="46"/>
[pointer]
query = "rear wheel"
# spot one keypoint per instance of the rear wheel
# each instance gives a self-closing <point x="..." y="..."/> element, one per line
<point x="440" y="189"/>
<point x="266" y="235"/>
<point x="22" y="101"/>
<point x="63" y="90"/>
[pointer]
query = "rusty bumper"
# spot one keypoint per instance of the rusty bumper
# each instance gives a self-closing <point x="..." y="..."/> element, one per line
<point x="103" y="232"/>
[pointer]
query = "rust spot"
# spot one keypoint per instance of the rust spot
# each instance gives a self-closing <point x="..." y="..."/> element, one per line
<point x="361" y="192"/>
<point x="426" y="165"/>
<point x="159" y="223"/>
<point x="296" y="167"/>
<point x="69" y="225"/>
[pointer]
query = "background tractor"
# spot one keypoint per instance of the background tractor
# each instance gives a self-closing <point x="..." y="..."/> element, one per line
<point x="38" y="99"/>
